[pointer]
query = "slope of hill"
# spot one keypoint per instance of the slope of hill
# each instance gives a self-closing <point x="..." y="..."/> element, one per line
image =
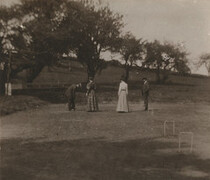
<point x="75" y="72"/>
<point x="178" y="88"/>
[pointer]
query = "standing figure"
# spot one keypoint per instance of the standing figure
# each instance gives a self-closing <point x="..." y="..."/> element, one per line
<point x="71" y="95"/>
<point x="91" y="96"/>
<point x="122" y="105"/>
<point x="145" y="93"/>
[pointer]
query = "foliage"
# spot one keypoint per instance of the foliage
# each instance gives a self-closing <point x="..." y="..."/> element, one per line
<point x="99" y="31"/>
<point x="8" y="29"/>
<point x="205" y="60"/>
<point x="37" y="33"/>
<point x="42" y="31"/>
<point x="46" y="44"/>
<point x="132" y="50"/>
<point x="166" y="58"/>
<point x="25" y="36"/>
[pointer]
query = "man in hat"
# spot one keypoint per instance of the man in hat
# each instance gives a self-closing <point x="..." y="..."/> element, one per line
<point x="145" y="93"/>
<point x="71" y="95"/>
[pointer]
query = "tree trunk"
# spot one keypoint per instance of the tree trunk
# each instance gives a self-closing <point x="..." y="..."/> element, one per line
<point x="127" y="72"/>
<point x="165" y="77"/>
<point x="2" y="82"/>
<point x="166" y="74"/>
<point x="158" y="74"/>
<point x="90" y="72"/>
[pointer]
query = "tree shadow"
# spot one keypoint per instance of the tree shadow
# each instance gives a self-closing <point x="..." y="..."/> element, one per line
<point x="96" y="158"/>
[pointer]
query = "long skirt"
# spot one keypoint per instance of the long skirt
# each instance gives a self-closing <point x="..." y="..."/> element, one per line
<point x="122" y="105"/>
<point x="92" y="101"/>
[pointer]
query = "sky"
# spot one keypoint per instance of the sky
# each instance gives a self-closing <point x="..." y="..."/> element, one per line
<point x="178" y="21"/>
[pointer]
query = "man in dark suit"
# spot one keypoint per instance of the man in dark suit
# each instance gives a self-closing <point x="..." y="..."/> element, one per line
<point x="145" y="93"/>
<point x="71" y="95"/>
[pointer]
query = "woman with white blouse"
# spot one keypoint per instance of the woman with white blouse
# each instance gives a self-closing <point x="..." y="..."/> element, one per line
<point x="122" y="105"/>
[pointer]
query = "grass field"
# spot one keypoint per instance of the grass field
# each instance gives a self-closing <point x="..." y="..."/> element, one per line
<point x="50" y="143"/>
<point x="11" y="104"/>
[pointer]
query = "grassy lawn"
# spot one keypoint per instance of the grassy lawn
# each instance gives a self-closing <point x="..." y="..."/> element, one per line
<point x="52" y="143"/>
<point x="11" y="104"/>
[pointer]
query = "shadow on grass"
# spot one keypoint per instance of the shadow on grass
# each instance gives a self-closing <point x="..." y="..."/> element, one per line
<point x="89" y="159"/>
<point x="11" y="104"/>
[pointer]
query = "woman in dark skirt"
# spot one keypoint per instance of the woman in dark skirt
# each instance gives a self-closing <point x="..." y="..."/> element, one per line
<point x="91" y="96"/>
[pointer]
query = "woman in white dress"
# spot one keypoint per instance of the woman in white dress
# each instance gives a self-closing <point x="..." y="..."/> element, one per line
<point x="122" y="105"/>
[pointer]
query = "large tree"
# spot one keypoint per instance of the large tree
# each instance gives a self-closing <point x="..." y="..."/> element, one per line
<point x="99" y="31"/>
<point x="47" y="42"/>
<point x="132" y="50"/>
<point x="25" y="37"/>
<point x="166" y="58"/>
<point x="45" y="30"/>
<point x="7" y="31"/>
<point x="83" y="28"/>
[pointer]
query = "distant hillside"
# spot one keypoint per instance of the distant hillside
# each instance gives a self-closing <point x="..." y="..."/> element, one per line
<point x="74" y="72"/>
<point x="177" y="89"/>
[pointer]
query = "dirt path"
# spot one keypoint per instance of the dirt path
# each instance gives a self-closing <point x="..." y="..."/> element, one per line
<point x="49" y="143"/>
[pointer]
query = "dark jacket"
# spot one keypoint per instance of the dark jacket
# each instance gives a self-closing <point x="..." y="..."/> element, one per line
<point x="145" y="89"/>
<point x="71" y="91"/>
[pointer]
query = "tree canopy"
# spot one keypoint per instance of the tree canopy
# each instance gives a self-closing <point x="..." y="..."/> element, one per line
<point x="205" y="60"/>
<point x="45" y="30"/>
<point x="37" y="33"/>
<point x="166" y="57"/>
<point x="99" y="32"/>
<point x="132" y="50"/>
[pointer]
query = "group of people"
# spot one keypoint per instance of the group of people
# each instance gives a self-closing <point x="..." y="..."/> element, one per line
<point x="92" y="102"/>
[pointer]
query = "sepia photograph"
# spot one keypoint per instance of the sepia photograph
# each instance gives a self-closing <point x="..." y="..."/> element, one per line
<point x="104" y="89"/>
